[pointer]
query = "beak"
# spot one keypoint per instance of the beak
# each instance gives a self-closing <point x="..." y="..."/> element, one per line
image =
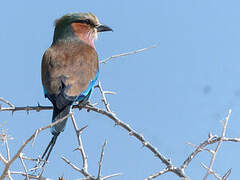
<point x="102" y="27"/>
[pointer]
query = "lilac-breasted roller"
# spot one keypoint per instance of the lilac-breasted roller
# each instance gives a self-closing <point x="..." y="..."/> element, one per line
<point x="70" y="66"/>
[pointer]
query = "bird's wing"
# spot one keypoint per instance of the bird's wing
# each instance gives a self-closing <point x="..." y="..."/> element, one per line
<point x="69" y="71"/>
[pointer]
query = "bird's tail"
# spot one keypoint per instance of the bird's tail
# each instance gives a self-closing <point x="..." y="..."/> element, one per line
<point x="49" y="148"/>
<point x="56" y="130"/>
<point x="58" y="114"/>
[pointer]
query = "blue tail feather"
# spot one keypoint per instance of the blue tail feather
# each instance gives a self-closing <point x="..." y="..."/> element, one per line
<point x="58" y="114"/>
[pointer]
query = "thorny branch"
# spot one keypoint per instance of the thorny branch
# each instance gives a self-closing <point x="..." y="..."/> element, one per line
<point x="170" y="167"/>
<point x="84" y="169"/>
<point x="12" y="108"/>
<point x="214" y="153"/>
<point x="104" y="61"/>
<point x="179" y="171"/>
<point x="157" y="174"/>
<point x="212" y="140"/>
<point x="80" y="144"/>
<point x="6" y="171"/>
<point x="101" y="159"/>
<point x="24" y="166"/>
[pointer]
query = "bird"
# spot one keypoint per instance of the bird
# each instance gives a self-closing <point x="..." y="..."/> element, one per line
<point x="70" y="67"/>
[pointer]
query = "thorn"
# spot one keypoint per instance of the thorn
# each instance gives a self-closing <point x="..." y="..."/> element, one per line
<point x="82" y="129"/>
<point x="78" y="148"/>
<point x="227" y="174"/>
<point x="144" y="144"/>
<point x="130" y="133"/>
<point x="109" y="92"/>
<point x="210" y="135"/>
<point x="142" y="137"/>
<point x="38" y="107"/>
<point x="27" y="109"/>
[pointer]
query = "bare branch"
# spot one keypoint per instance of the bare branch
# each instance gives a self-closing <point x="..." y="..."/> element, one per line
<point x="211" y="171"/>
<point x="30" y="176"/>
<point x="7" y="166"/>
<point x="24" y="166"/>
<point x="104" y="61"/>
<point x="110" y="176"/>
<point x="26" y="108"/>
<point x="178" y="171"/>
<point x="7" y="147"/>
<point x="205" y="143"/>
<point x="138" y="136"/>
<point x="7" y="102"/>
<point x="219" y="144"/>
<point x="3" y="159"/>
<point x="30" y="159"/>
<point x="227" y="174"/>
<point x="211" y="140"/>
<point x="80" y="144"/>
<point x="100" y="161"/>
<point x="9" y="175"/>
<point x="117" y="121"/>
<point x="104" y="99"/>
<point x="86" y="174"/>
<point x="157" y="174"/>
<point x="205" y="149"/>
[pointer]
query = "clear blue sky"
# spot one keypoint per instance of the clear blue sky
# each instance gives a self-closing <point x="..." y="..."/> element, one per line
<point x="175" y="93"/>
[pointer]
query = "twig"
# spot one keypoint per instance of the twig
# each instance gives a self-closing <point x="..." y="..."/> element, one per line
<point x="24" y="166"/>
<point x="138" y="136"/>
<point x="110" y="176"/>
<point x="3" y="159"/>
<point x="205" y="149"/>
<point x="104" y="99"/>
<point x="7" y="148"/>
<point x="6" y="102"/>
<point x="227" y="174"/>
<point x="204" y="144"/>
<point x="86" y="174"/>
<point x="211" y="140"/>
<point x="210" y="171"/>
<point x="131" y="132"/>
<point x="24" y="174"/>
<point x="84" y="170"/>
<point x="100" y="161"/>
<point x="37" y="108"/>
<point x="7" y="166"/>
<point x="157" y="174"/>
<point x="178" y="171"/>
<point x="219" y="144"/>
<point x="30" y="159"/>
<point x="80" y="145"/>
<point x="104" y="61"/>
<point x="9" y="175"/>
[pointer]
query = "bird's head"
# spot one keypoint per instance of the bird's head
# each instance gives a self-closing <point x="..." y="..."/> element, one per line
<point x="84" y="26"/>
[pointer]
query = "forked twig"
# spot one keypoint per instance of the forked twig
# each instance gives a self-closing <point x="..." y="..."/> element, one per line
<point x="100" y="161"/>
<point x="218" y="145"/>
<point x="7" y="165"/>
<point x="104" y="61"/>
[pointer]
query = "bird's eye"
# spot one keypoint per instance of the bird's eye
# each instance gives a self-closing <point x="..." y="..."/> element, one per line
<point x="88" y="21"/>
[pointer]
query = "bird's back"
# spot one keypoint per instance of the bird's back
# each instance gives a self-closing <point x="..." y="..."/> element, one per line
<point x="68" y="68"/>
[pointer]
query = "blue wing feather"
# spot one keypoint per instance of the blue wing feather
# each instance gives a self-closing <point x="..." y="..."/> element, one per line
<point x="85" y="93"/>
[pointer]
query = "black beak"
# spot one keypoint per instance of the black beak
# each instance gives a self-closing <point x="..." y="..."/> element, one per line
<point x="102" y="27"/>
